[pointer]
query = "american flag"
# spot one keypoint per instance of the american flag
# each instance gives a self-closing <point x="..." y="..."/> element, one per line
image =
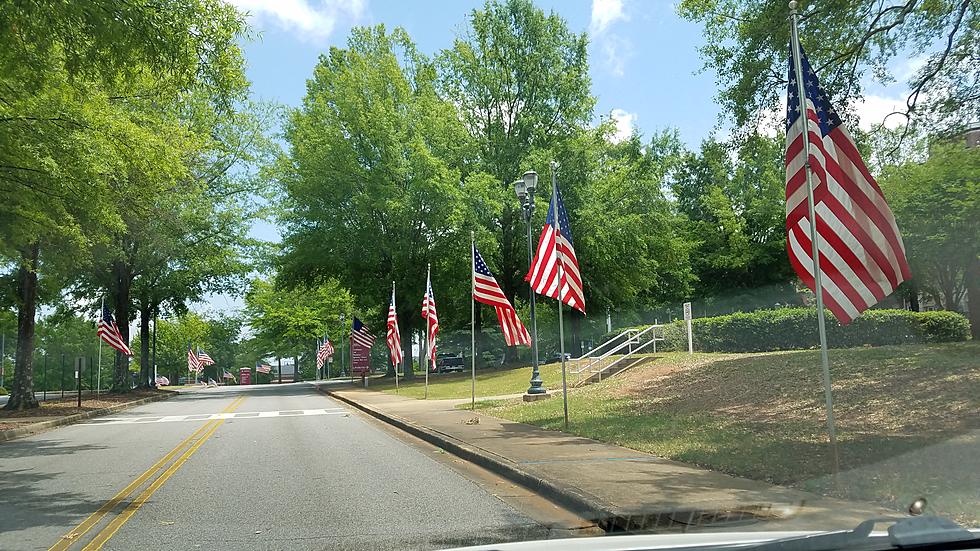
<point x="394" y="338"/>
<point x="360" y="335"/>
<point x="204" y="358"/>
<point x="486" y="290"/>
<point x="108" y="331"/>
<point x="262" y="368"/>
<point x="862" y="256"/>
<point x="193" y="362"/>
<point x="554" y="271"/>
<point x="227" y="375"/>
<point x="323" y="353"/>
<point x="429" y="314"/>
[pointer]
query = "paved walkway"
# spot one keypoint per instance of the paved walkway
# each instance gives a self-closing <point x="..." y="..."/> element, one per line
<point x="635" y="487"/>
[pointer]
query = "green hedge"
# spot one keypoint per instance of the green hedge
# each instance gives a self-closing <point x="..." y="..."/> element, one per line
<point x="796" y="328"/>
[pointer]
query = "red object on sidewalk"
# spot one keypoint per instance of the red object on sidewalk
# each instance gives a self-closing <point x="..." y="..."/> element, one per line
<point x="245" y="376"/>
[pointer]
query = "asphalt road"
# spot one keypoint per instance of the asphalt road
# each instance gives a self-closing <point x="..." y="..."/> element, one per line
<point x="283" y="468"/>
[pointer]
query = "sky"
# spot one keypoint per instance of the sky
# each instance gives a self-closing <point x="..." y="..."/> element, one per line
<point x="644" y="62"/>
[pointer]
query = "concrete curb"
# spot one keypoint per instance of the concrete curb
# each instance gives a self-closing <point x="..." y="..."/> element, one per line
<point x="44" y="426"/>
<point x="581" y="503"/>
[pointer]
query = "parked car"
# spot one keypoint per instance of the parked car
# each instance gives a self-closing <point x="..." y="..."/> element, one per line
<point x="556" y="357"/>
<point x="449" y="363"/>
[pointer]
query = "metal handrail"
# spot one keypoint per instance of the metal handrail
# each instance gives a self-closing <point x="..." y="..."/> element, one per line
<point x="634" y="339"/>
<point x="605" y="344"/>
<point x="652" y="341"/>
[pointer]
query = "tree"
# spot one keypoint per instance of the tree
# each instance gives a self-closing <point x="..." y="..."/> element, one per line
<point x="747" y="45"/>
<point x="937" y="206"/>
<point x="369" y="197"/>
<point x="520" y="80"/>
<point x="78" y="81"/>
<point x="287" y="322"/>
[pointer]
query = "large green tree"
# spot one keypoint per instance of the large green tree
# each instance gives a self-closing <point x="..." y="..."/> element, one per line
<point x="937" y="205"/>
<point x="370" y="196"/>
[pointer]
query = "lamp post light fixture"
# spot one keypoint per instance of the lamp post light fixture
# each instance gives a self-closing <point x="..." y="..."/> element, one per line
<point x="525" y="194"/>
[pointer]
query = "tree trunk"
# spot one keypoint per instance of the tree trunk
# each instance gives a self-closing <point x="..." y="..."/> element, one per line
<point x="972" y="277"/>
<point x="22" y="392"/>
<point x="124" y="281"/>
<point x="296" y="375"/>
<point x="914" y="296"/>
<point x="146" y="365"/>
<point x="406" y="331"/>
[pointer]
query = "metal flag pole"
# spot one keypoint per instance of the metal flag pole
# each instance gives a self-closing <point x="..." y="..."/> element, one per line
<point x="98" y="386"/>
<point x="561" y="323"/>
<point x="428" y="285"/>
<point x="395" y="312"/>
<point x="341" y="344"/>
<point x="472" y="320"/>
<point x="814" y="235"/>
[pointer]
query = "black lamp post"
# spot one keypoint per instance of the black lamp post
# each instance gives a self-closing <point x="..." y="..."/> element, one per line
<point x="525" y="194"/>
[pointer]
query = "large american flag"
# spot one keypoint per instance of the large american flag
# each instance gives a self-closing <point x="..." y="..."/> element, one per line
<point x="432" y="319"/>
<point x="193" y="362"/>
<point x="394" y="338"/>
<point x="262" y="368"/>
<point x="486" y="290"/>
<point x="554" y="271"/>
<point x="360" y="335"/>
<point x="108" y="331"/>
<point x="204" y="358"/>
<point x="862" y="256"/>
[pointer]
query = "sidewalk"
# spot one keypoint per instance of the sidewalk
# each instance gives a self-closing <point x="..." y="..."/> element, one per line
<point x="619" y="487"/>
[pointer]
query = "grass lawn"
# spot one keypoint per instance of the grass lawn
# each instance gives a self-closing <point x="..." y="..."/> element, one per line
<point x="762" y="416"/>
<point x="489" y="382"/>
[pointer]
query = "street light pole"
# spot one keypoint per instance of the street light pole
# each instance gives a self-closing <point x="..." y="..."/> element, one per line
<point x="525" y="193"/>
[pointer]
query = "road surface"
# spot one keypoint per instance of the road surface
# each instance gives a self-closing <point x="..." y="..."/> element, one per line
<point x="262" y="467"/>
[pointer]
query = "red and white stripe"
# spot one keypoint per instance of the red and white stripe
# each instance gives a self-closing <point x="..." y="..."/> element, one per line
<point x="109" y="332"/>
<point x="432" y="320"/>
<point x="394" y="338"/>
<point x="487" y="291"/>
<point x="193" y="362"/>
<point x="555" y="271"/>
<point x="862" y="256"/>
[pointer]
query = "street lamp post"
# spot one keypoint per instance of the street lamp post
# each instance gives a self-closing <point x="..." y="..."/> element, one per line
<point x="525" y="194"/>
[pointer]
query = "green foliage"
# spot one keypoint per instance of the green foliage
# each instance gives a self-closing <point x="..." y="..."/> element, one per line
<point x="937" y="206"/>
<point x="796" y="328"/>
<point x="747" y="43"/>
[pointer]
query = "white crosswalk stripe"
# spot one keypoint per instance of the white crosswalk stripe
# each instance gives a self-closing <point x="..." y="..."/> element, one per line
<point x="150" y="419"/>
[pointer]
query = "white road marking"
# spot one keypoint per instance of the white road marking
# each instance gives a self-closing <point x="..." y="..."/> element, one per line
<point x="212" y="416"/>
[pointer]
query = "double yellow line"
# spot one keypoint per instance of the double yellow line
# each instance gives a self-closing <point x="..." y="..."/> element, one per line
<point x="188" y="446"/>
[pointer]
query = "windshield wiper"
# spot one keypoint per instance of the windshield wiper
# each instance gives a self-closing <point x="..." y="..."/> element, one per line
<point x="908" y="532"/>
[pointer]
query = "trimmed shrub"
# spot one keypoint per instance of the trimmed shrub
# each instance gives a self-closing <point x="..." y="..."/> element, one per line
<point x="796" y="328"/>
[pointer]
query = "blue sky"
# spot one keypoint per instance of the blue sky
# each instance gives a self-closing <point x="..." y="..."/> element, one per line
<point x="644" y="61"/>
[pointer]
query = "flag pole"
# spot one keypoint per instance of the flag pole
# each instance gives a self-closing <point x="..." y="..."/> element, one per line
<point x="98" y="384"/>
<point x="395" y="311"/>
<point x="561" y="323"/>
<point x="472" y="320"/>
<point x="814" y="236"/>
<point x="428" y="353"/>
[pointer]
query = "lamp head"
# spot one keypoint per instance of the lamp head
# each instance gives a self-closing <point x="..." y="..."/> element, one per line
<point x="521" y="189"/>
<point x="530" y="180"/>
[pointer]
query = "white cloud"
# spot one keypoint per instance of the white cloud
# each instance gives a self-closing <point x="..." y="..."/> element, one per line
<point x="624" y="124"/>
<point x="614" y="48"/>
<point x="312" y="19"/>
<point x="605" y="13"/>
<point x="872" y="109"/>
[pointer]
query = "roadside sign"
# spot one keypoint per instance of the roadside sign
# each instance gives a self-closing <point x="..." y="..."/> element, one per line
<point x="687" y="321"/>
<point x="360" y="358"/>
<point x="245" y="376"/>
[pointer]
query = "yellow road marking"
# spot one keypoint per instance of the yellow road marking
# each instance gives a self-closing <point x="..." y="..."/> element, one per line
<point x="72" y="536"/>
<point x="110" y="530"/>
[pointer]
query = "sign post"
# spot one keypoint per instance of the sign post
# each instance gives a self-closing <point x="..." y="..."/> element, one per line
<point x="79" y="367"/>
<point x="687" y="320"/>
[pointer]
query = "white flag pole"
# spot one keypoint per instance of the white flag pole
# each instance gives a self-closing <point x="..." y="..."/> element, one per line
<point x="472" y="320"/>
<point x="98" y="378"/>
<point x="428" y="345"/>
<point x="561" y="323"/>
<point x="814" y="235"/>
